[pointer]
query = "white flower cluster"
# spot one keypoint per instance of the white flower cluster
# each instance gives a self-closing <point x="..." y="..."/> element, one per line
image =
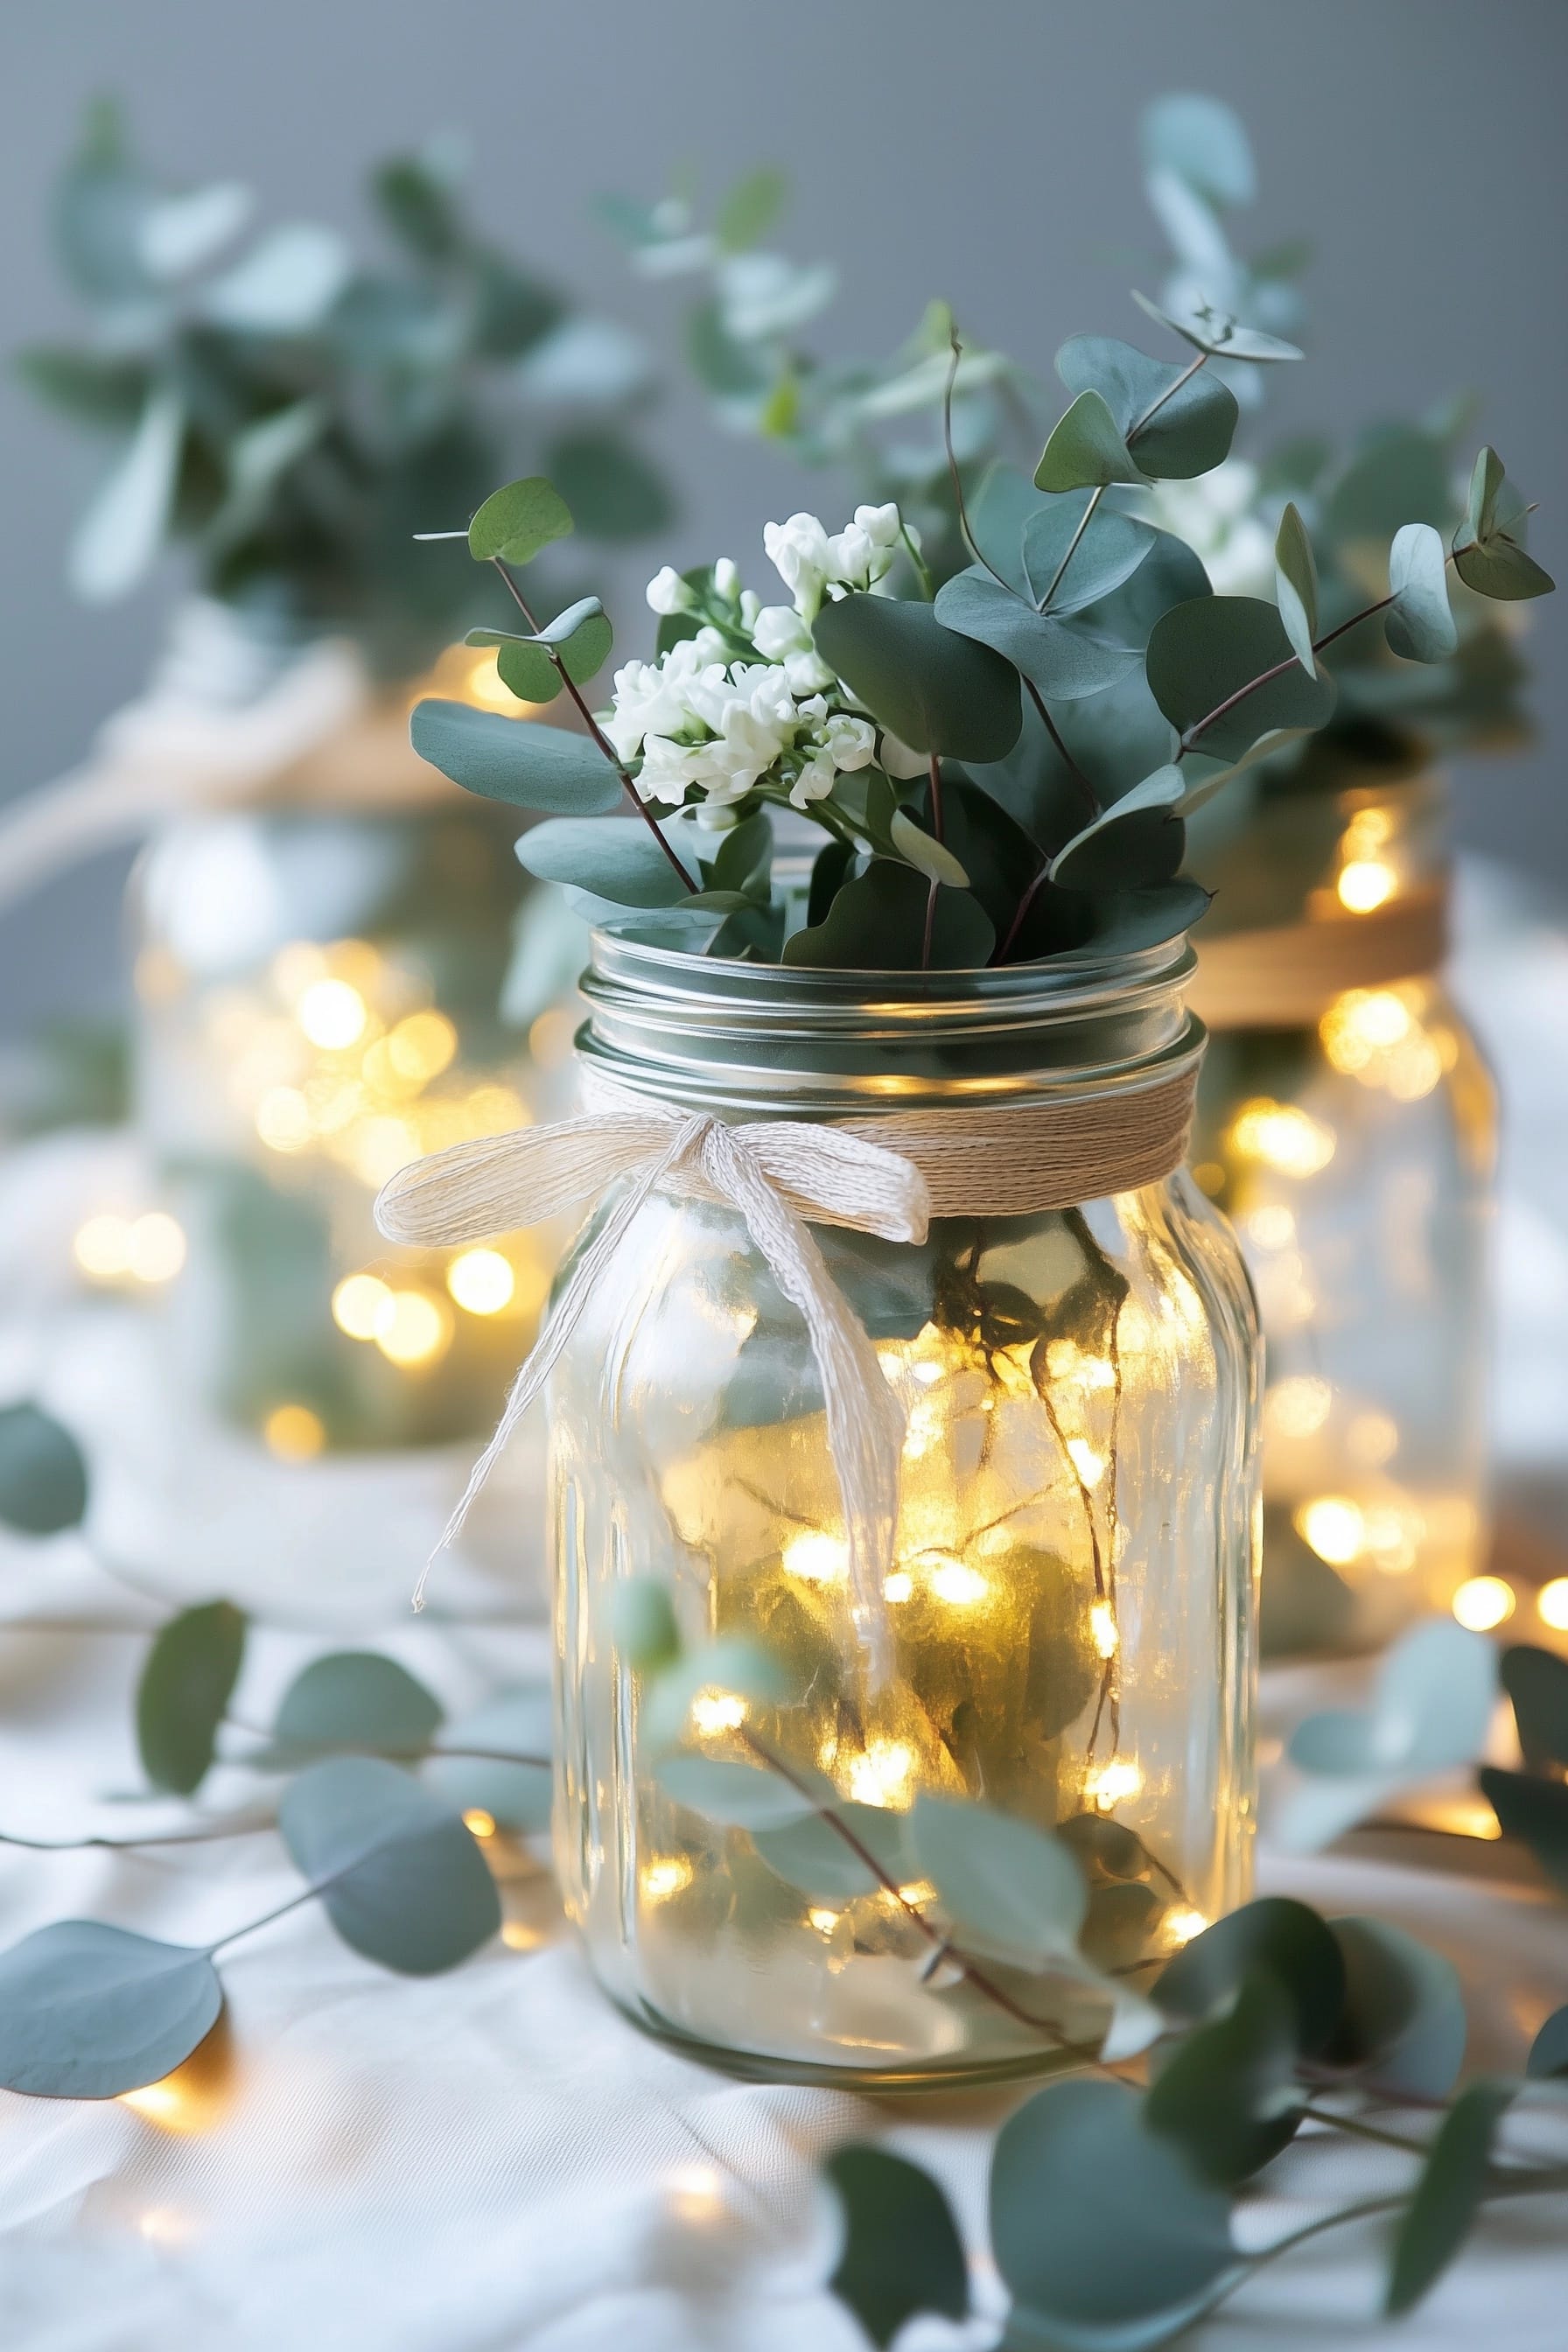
<point x="702" y="717"/>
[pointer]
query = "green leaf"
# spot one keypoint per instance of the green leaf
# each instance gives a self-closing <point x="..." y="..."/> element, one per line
<point x="936" y="690"/>
<point x="580" y="637"/>
<point x="750" y="208"/>
<point x="356" y="1699"/>
<point x="43" y="1473"/>
<point x="1536" y="1682"/>
<point x="1208" y="784"/>
<point x="1086" y="450"/>
<point x="1203" y="142"/>
<point x="924" y="853"/>
<point x="89" y="2011"/>
<point x="725" y="367"/>
<point x="813" y="1857"/>
<point x="1296" y="586"/>
<point x="183" y="1693"/>
<point x="1419" y="624"/>
<point x="1223" y="337"/>
<point x="1207" y="654"/>
<point x="1227" y="2093"/>
<point x="902" y="2252"/>
<point x="401" y="1878"/>
<point x="1275" y="1934"/>
<point x="612" y="489"/>
<point x="1097" y="2222"/>
<point x="642" y="1620"/>
<point x="999" y="512"/>
<point x="258" y="460"/>
<point x="877" y="923"/>
<point x="1173" y="430"/>
<point x="737" y="1796"/>
<point x="511" y="1723"/>
<point x="416" y="199"/>
<point x="1009" y="1889"/>
<point x="1536" y="1813"/>
<point x="1067" y="659"/>
<point x="512" y="759"/>
<point x="91" y="387"/>
<point x="1062" y="576"/>
<point x="744" y="862"/>
<point x="1489" y="548"/>
<point x="1138" y="840"/>
<point x="515" y="522"/>
<point x="731" y="1665"/>
<point x="287" y="283"/>
<point x="615" y="858"/>
<point x="1398" y="475"/>
<point x="123" y="530"/>
<point x="1434" y="2227"/>
<point x="1548" y="2059"/>
<point x="1403" y="2023"/>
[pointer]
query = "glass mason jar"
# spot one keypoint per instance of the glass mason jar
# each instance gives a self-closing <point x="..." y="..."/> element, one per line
<point x="1346" y="1125"/>
<point x="1070" y="1597"/>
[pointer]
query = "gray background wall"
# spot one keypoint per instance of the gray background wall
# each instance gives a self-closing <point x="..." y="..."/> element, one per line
<point x="982" y="148"/>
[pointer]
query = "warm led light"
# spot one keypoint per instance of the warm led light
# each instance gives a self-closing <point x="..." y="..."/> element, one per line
<point x="713" y="1711"/>
<point x="161" y="2103"/>
<point x="494" y="1111"/>
<point x="1271" y="1227"/>
<point x="1090" y="1465"/>
<point x="362" y="1306"/>
<point x="102" y="1246"/>
<point x="918" y="1891"/>
<point x="1183" y="1923"/>
<point x="420" y="1047"/>
<point x="1552" y="1603"/>
<point x="1366" y="883"/>
<point x="954" y="1581"/>
<point x="331" y="1014"/>
<point x="1372" y="1439"/>
<point x="1483" y="1602"/>
<point x="293" y="1432"/>
<point x="518" y="1936"/>
<point x="1332" y="1525"/>
<point x="883" y="1773"/>
<point x="485" y="685"/>
<point x="696" y="2193"/>
<point x="899" y="1587"/>
<point x="1282" y="1136"/>
<point x="1114" y="1783"/>
<point x="661" y="1879"/>
<point x="1208" y="1175"/>
<point x="481" y="1281"/>
<point x="1299" y="1405"/>
<point x="551" y="1036"/>
<point x="283" y="1119"/>
<point x="1103" y="1626"/>
<point x="819" y="1559"/>
<point x="822" y="1920"/>
<point x="156" y="1247"/>
<point x="418" y="1329"/>
<point x="162" y="2225"/>
<point x="480" y="1823"/>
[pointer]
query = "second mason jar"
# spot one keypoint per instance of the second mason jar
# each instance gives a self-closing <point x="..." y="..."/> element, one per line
<point x="1069" y="1594"/>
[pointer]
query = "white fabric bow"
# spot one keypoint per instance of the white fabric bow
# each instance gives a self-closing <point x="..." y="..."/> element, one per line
<point x="777" y="1175"/>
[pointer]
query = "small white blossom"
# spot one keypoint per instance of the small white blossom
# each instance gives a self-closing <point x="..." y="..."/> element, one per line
<point x="751" y="605"/>
<point x="797" y="549"/>
<point x="815" y="781"/>
<point x="852" y="742"/>
<point x="778" y="630"/>
<point x="669" y="592"/>
<point x="727" y="579"/>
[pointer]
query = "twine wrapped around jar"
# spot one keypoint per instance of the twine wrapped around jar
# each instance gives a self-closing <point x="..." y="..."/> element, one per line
<point x="886" y="1174"/>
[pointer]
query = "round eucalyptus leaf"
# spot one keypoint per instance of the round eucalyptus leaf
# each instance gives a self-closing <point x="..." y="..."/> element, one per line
<point x="1434" y="2224"/>
<point x="400" y="1876"/>
<point x="1296" y="586"/>
<point x="1227" y="2093"/>
<point x="1173" y="429"/>
<point x="1533" y="1810"/>
<point x="526" y="670"/>
<point x="1096" y="2221"/>
<point x="1419" y="624"/>
<point x="1274" y="1936"/>
<point x="89" y="2011"/>
<point x="1086" y="450"/>
<point x="183" y="1692"/>
<point x="1548" y="2060"/>
<point x="1219" y="335"/>
<point x="642" y="1618"/>
<point x="1203" y="142"/>
<point x="924" y="853"/>
<point x="1068" y="562"/>
<point x="936" y="690"/>
<point x="1430" y="1709"/>
<point x="1068" y="659"/>
<point x="878" y="923"/>
<point x="1536" y="1682"/>
<point x="612" y="490"/>
<point x="1137" y="841"/>
<point x="356" y="1699"/>
<point x="1397" y="475"/>
<point x="1225" y="673"/>
<point x="517" y="1796"/>
<point x="822" y="1861"/>
<point x="731" y="1666"/>
<point x="118" y="537"/>
<point x="512" y="759"/>
<point x="737" y="1796"/>
<point x="516" y="522"/>
<point x="1403" y="2021"/>
<point x="1008" y="1889"/>
<point x="43" y="1473"/>
<point x="902" y="2251"/>
<point x="619" y="860"/>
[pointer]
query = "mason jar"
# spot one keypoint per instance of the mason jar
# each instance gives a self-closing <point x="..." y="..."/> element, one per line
<point x="1069" y="1601"/>
<point x="1346" y="1125"/>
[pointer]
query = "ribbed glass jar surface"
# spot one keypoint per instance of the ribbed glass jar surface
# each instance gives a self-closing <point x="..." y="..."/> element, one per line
<point x="1070" y="1590"/>
<point x="1351" y="1140"/>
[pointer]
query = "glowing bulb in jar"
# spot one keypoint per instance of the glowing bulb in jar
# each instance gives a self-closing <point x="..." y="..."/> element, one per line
<point x="1103" y="1629"/>
<point x="713" y="1711"/>
<point x="881" y="1774"/>
<point x="819" y="1559"/>
<point x="1183" y="1923"/>
<point x="1114" y="1784"/>
<point x="667" y="1874"/>
<point x="1483" y="1602"/>
<point x="1282" y="1136"/>
<point x="954" y="1581"/>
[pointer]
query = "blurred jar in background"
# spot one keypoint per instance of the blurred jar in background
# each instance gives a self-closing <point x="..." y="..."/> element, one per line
<point x="1346" y="1123"/>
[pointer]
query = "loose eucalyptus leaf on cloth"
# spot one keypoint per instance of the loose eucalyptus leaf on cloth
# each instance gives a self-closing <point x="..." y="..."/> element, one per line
<point x="1009" y="1889"/>
<point x="1201" y="664"/>
<point x="514" y="759"/>
<point x="1433" y="2226"/>
<point x="356" y="1699"/>
<point x="1548" y="2059"/>
<point x="1533" y="1810"/>
<point x="1174" y="423"/>
<point x="1431" y="1708"/>
<point x="43" y="1473"/>
<point x="1097" y="2222"/>
<point x="1536" y="1682"/>
<point x="1273" y="1934"/>
<point x="1403" y="2023"/>
<point x="513" y="1723"/>
<point x="936" y="690"/>
<point x="183" y="1693"/>
<point x="517" y="521"/>
<point x="1419" y="624"/>
<point x="901" y="2253"/>
<point x="1227" y="2093"/>
<point x="401" y="1878"/>
<point x="89" y="2011"/>
<point x="877" y="923"/>
<point x="1296" y="586"/>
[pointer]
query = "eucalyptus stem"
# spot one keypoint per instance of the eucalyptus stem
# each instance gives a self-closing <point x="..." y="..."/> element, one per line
<point x="131" y="1844"/>
<point x="969" y="539"/>
<point x="594" y="729"/>
<point x="1084" y="521"/>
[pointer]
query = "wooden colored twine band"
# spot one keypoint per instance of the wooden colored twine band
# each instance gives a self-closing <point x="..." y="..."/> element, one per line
<point x="1287" y="977"/>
